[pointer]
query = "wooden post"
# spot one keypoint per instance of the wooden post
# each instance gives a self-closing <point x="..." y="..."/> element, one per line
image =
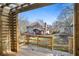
<point x="53" y="41"/>
<point x="76" y="30"/>
<point x="50" y="43"/>
<point x="13" y="22"/>
<point x="37" y="41"/>
<point x="17" y="35"/>
<point x="4" y="31"/>
<point x="70" y="44"/>
<point x="27" y="39"/>
<point x="1" y="33"/>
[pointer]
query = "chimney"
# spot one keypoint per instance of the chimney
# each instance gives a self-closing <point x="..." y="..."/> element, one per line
<point x="45" y="28"/>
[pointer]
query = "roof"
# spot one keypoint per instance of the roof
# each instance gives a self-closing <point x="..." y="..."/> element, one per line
<point x="36" y="25"/>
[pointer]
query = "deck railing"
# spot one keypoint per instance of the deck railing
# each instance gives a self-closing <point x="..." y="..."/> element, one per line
<point x="40" y="40"/>
<point x="48" y="41"/>
<point x="66" y="45"/>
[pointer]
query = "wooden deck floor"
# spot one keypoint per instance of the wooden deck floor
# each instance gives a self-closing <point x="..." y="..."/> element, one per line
<point x="33" y="50"/>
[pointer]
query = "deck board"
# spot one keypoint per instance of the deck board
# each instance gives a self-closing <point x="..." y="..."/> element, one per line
<point x="33" y="50"/>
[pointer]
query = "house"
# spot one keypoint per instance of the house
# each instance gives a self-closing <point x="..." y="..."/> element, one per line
<point x="37" y="28"/>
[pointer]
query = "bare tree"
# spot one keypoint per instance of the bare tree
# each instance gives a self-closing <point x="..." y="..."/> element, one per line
<point x="65" y="20"/>
<point x="23" y="25"/>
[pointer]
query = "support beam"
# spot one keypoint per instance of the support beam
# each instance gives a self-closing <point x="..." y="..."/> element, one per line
<point x="4" y="32"/>
<point x="1" y="48"/>
<point x="76" y="24"/>
<point x="13" y="22"/>
<point x="33" y="6"/>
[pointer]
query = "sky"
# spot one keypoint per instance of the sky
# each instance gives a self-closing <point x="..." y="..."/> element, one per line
<point x="48" y="14"/>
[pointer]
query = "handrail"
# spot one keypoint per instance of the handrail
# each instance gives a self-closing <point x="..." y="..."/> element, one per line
<point x="49" y="41"/>
<point x="51" y="44"/>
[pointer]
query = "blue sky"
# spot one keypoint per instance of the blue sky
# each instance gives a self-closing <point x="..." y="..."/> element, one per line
<point x="48" y="14"/>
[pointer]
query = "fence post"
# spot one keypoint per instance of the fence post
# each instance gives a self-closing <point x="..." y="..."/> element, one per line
<point x="51" y="43"/>
<point x="27" y="39"/>
<point x="70" y="44"/>
<point x="37" y="41"/>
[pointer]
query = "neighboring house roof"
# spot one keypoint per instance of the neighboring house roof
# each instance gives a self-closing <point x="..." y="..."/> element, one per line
<point x="36" y="25"/>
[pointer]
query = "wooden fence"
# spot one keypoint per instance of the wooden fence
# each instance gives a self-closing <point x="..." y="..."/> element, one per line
<point x="40" y="40"/>
<point x="47" y="41"/>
